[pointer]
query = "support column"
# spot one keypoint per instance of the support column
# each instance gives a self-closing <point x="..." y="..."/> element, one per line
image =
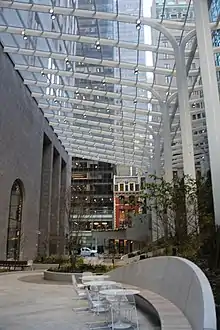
<point x="211" y="97"/>
<point x="45" y="199"/>
<point x="168" y="176"/>
<point x="55" y="204"/>
<point x="63" y="204"/>
<point x="157" y="160"/>
<point x="185" y="115"/>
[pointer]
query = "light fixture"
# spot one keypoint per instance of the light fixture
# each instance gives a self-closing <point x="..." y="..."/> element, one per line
<point x="97" y="45"/>
<point x="24" y="35"/>
<point x="67" y="60"/>
<point x="52" y="16"/>
<point x="77" y="92"/>
<point x="135" y="101"/>
<point x="42" y="73"/>
<point x="55" y="101"/>
<point x="103" y="82"/>
<point x="107" y="109"/>
<point x="84" y="115"/>
<point x="136" y="71"/>
<point x="138" y="24"/>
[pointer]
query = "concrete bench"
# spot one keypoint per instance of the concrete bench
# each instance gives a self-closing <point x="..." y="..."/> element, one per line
<point x="162" y="310"/>
<point x="170" y="317"/>
<point x="179" y="282"/>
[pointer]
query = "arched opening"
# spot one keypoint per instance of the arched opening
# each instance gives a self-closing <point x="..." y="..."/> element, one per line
<point x="14" y="221"/>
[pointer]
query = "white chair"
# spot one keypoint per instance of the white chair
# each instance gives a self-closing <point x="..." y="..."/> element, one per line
<point x="30" y="264"/>
<point x="79" y="289"/>
<point x="86" y="274"/>
<point x="124" y="312"/>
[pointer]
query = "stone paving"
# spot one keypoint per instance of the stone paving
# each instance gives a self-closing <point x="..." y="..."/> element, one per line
<point x="27" y="302"/>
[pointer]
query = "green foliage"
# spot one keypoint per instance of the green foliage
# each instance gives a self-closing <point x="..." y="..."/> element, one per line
<point x="182" y="210"/>
<point x="80" y="267"/>
<point x="53" y="259"/>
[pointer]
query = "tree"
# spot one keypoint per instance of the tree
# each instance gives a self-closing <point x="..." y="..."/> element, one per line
<point x="78" y="210"/>
<point x="180" y="212"/>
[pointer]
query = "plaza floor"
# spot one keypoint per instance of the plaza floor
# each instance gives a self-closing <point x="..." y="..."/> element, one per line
<point x="28" y="302"/>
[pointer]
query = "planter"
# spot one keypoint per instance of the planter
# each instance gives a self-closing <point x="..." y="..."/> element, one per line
<point x="59" y="277"/>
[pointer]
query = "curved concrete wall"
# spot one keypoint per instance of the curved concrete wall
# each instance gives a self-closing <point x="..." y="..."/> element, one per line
<point x="178" y="280"/>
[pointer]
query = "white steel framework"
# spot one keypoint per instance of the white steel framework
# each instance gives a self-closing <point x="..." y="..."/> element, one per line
<point x="99" y="119"/>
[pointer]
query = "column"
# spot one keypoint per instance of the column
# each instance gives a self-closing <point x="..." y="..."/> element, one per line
<point x="157" y="159"/>
<point x="211" y="97"/>
<point x="63" y="207"/>
<point x="55" y="204"/>
<point x="168" y="176"/>
<point x="45" y="199"/>
<point x="185" y="115"/>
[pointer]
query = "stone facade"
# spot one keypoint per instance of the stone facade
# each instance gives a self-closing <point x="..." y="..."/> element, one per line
<point x="31" y="152"/>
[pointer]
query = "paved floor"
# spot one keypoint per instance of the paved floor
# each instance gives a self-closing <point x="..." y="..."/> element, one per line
<point x="27" y="302"/>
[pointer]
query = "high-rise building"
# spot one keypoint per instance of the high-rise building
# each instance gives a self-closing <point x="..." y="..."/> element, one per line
<point x="180" y="10"/>
<point x="130" y="33"/>
<point x="93" y="179"/>
<point x="92" y="187"/>
<point x="214" y="15"/>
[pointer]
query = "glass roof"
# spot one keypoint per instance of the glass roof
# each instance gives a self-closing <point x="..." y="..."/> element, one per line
<point x="96" y="78"/>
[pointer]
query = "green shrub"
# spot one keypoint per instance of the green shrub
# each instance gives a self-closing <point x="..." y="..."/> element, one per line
<point x="81" y="267"/>
<point x="142" y="256"/>
<point x="53" y="259"/>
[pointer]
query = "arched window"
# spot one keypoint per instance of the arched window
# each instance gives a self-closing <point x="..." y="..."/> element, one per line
<point x="14" y="221"/>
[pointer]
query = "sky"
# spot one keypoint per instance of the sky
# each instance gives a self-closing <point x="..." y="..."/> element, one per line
<point x="147" y="30"/>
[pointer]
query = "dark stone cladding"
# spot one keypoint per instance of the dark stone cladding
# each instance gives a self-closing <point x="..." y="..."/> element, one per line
<point x="22" y="132"/>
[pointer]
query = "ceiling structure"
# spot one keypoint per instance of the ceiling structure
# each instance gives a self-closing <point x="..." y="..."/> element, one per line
<point x="97" y="119"/>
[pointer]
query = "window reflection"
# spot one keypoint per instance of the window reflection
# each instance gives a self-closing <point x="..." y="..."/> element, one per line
<point x="14" y="221"/>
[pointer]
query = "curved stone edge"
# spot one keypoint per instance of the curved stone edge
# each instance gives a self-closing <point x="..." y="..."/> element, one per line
<point x="177" y="280"/>
<point x="209" y="302"/>
<point x="57" y="276"/>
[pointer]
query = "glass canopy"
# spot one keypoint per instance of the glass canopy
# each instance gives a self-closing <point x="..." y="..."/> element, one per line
<point x="101" y="70"/>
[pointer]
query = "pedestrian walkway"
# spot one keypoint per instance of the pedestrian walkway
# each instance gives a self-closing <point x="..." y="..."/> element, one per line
<point x="29" y="302"/>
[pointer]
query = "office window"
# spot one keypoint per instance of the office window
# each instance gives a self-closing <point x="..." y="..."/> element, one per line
<point x="121" y="186"/>
<point x="168" y="79"/>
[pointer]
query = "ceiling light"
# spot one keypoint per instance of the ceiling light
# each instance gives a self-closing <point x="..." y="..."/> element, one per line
<point x="136" y="71"/>
<point x="97" y="45"/>
<point x="55" y="101"/>
<point x="135" y="101"/>
<point x="138" y="24"/>
<point x="52" y="14"/>
<point x="67" y="60"/>
<point x="103" y="82"/>
<point x="77" y="92"/>
<point x="24" y="35"/>
<point x="42" y="73"/>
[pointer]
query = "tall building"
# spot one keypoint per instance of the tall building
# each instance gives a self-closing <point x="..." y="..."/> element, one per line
<point x="92" y="188"/>
<point x="94" y="179"/>
<point x="214" y="14"/>
<point x="130" y="33"/>
<point x="178" y="10"/>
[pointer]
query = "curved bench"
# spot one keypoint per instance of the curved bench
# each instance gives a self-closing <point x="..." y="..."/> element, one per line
<point x="171" y="318"/>
<point x="176" y="280"/>
<point x="164" y="313"/>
